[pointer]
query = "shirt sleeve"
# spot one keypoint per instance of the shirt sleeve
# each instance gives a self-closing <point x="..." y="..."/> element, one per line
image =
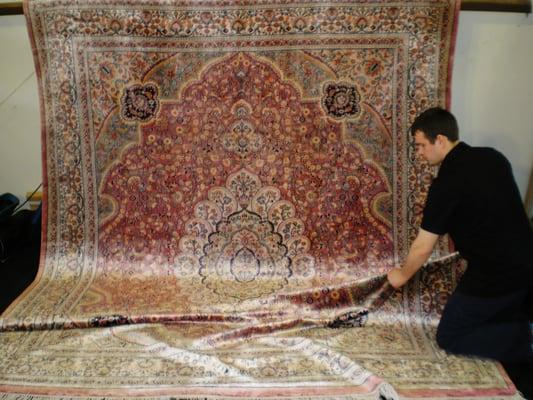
<point x="440" y="207"/>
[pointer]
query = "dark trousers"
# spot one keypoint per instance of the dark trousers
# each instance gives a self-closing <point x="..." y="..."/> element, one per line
<point x="490" y="327"/>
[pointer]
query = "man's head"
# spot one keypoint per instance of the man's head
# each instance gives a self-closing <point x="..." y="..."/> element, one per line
<point x="435" y="132"/>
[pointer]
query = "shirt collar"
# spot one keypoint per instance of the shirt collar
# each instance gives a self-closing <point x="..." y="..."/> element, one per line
<point x="452" y="155"/>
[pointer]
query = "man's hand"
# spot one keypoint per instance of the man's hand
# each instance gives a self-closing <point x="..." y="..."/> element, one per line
<point x="396" y="278"/>
<point x="418" y="254"/>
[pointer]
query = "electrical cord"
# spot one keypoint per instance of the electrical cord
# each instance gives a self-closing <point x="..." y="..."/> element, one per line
<point x="4" y="256"/>
<point x="28" y="199"/>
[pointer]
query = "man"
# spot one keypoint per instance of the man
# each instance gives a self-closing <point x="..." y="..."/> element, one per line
<point x="476" y="201"/>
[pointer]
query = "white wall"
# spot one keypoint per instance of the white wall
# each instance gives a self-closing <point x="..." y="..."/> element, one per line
<point x="20" y="143"/>
<point x="492" y="88"/>
<point x="492" y="95"/>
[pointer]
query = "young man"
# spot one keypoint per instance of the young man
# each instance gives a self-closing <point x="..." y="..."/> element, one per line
<point x="476" y="201"/>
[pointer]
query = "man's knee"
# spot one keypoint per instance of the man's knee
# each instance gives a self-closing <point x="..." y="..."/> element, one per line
<point x="445" y="338"/>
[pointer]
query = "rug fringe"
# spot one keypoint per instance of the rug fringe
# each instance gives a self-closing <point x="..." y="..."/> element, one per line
<point x="384" y="391"/>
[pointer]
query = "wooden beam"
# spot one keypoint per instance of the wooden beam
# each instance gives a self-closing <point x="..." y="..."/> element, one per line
<point x="497" y="5"/>
<point x="11" y="8"/>
<point x="521" y="6"/>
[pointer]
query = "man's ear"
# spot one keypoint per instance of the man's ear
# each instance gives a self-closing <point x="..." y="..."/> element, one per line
<point x="441" y="139"/>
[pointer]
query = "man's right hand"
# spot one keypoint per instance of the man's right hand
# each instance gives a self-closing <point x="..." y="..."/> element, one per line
<point x="396" y="278"/>
<point x="419" y="253"/>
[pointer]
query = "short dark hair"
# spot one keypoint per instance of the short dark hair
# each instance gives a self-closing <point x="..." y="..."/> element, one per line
<point x="436" y="121"/>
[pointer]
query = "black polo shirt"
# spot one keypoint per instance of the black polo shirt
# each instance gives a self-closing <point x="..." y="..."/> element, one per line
<point x="476" y="201"/>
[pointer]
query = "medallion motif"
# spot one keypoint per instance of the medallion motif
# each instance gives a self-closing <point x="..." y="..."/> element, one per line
<point x="244" y="239"/>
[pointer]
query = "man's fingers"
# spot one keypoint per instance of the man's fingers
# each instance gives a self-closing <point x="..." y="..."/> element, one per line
<point x="396" y="278"/>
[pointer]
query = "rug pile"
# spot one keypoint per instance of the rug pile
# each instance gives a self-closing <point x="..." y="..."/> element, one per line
<point x="226" y="185"/>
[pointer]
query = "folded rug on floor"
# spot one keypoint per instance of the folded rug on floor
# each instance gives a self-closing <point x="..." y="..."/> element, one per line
<point x="226" y="185"/>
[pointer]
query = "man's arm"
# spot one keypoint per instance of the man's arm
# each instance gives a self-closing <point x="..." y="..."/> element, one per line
<point x="418" y="254"/>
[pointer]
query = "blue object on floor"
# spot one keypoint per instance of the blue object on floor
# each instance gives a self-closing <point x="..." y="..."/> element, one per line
<point x="8" y="203"/>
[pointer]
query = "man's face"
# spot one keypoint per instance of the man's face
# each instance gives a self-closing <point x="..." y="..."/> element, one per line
<point x="431" y="152"/>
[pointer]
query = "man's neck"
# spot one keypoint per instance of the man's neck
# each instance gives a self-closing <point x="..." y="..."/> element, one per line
<point x="449" y="147"/>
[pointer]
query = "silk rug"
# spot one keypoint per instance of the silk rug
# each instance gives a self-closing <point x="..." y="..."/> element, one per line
<point x="226" y="185"/>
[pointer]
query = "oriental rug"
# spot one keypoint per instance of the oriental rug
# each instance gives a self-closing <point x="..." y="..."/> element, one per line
<point x="226" y="185"/>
